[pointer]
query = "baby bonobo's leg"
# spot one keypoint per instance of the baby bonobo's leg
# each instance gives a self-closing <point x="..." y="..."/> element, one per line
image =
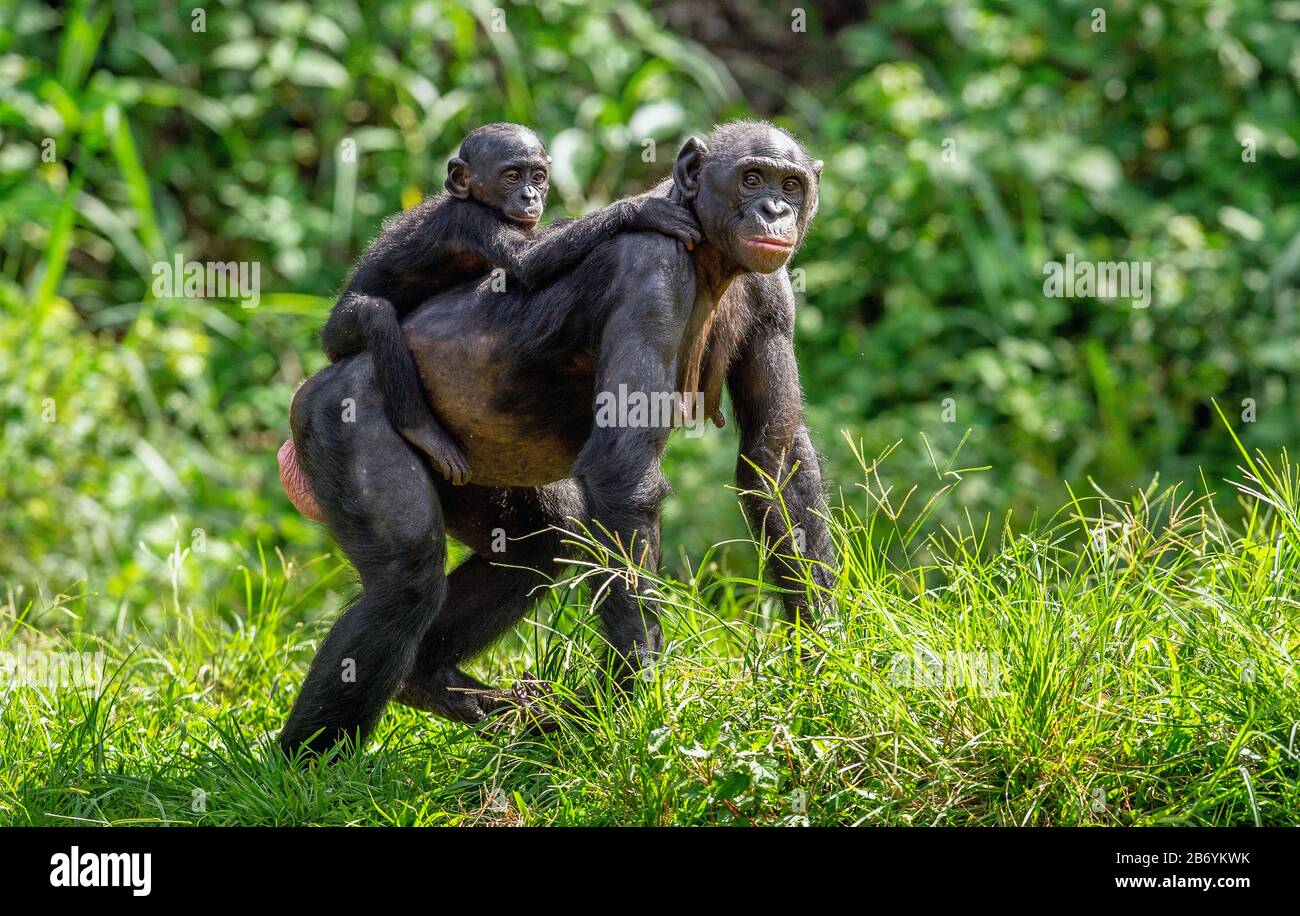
<point x="404" y="400"/>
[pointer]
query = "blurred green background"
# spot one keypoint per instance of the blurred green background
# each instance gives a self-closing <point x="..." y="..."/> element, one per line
<point x="133" y="426"/>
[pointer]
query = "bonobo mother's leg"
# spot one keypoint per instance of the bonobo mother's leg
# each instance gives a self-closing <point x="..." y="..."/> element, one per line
<point x="380" y="504"/>
<point x="515" y="553"/>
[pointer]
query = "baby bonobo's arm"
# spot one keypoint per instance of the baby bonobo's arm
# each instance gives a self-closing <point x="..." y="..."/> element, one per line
<point x="559" y="246"/>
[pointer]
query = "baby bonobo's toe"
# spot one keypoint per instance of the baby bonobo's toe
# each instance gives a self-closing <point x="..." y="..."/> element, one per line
<point x="445" y="454"/>
<point x="457" y="468"/>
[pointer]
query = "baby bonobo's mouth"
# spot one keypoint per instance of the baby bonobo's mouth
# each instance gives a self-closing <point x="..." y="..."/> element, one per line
<point x="526" y="218"/>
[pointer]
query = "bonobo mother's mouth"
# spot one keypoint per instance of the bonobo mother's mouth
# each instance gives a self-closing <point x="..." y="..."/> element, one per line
<point x="769" y="243"/>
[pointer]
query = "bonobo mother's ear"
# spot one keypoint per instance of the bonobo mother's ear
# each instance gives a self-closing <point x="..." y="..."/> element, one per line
<point x="817" y="168"/>
<point x="457" y="183"/>
<point x="686" y="170"/>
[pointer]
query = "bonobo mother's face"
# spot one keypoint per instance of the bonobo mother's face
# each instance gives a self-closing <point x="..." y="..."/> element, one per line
<point x="754" y="191"/>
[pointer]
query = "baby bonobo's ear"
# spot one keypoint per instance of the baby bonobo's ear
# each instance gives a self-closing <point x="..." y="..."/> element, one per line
<point x="457" y="183"/>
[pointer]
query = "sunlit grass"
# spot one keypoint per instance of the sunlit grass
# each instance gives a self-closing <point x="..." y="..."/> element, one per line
<point x="1130" y="661"/>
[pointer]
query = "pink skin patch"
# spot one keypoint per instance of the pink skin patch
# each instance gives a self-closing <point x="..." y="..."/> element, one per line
<point x="295" y="483"/>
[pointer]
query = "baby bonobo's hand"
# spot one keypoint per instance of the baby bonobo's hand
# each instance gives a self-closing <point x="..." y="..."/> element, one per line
<point x="660" y="214"/>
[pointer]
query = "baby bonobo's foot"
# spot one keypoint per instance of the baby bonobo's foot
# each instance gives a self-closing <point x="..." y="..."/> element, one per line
<point x="442" y="451"/>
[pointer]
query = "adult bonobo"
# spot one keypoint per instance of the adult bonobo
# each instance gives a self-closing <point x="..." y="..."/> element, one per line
<point x="515" y="376"/>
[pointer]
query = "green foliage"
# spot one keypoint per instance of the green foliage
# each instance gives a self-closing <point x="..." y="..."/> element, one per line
<point x="925" y="277"/>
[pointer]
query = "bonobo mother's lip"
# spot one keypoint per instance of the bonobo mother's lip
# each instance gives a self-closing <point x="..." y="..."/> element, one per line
<point x="768" y="243"/>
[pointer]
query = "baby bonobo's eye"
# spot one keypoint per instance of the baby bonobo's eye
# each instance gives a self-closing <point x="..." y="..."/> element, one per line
<point x="539" y="177"/>
<point x="510" y="176"/>
<point x="752" y="179"/>
<point x="792" y="186"/>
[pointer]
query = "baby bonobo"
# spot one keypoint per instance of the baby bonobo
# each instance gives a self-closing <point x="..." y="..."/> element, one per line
<point x="496" y="188"/>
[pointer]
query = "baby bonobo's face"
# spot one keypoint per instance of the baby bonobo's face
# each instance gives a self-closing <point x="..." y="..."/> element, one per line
<point x="512" y="175"/>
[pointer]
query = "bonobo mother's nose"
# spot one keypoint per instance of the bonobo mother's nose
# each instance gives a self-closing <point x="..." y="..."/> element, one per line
<point x="774" y="208"/>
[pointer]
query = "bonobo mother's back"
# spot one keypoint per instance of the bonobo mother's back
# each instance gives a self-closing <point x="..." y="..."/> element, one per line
<point x="504" y="369"/>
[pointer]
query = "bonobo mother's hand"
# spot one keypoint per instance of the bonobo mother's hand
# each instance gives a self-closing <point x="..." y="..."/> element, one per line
<point x="658" y="214"/>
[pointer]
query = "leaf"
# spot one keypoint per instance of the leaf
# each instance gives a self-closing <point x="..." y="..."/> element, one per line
<point x="314" y="68"/>
<point x="241" y="54"/>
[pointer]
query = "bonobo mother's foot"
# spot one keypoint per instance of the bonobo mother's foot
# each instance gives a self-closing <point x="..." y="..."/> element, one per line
<point x="442" y="451"/>
<point x="457" y="696"/>
<point x="453" y="695"/>
<point x="535" y="707"/>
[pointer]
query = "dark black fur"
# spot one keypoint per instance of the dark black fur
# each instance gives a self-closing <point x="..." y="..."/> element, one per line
<point x="618" y="318"/>
<point x="496" y="190"/>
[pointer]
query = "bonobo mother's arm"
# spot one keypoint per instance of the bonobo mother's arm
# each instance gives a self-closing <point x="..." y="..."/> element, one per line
<point x="765" y="393"/>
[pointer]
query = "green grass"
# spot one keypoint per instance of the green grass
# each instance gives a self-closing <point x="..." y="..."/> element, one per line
<point x="1124" y="662"/>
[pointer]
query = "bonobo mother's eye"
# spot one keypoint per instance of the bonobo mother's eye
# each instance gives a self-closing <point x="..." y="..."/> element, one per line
<point x="792" y="186"/>
<point x="752" y="179"/>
